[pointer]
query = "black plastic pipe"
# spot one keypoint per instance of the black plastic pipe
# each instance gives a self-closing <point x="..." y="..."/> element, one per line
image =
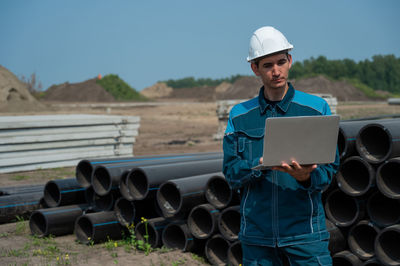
<point x="348" y="131"/>
<point x="130" y="212"/>
<point x="216" y="250"/>
<point x="361" y="239"/>
<point x="142" y="180"/>
<point x="218" y="191"/>
<point x="387" y="178"/>
<point x="61" y="192"/>
<point x="356" y="176"/>
<point x="235" y="255"/>
<point x="56" y="221"/>
<point x="123" y="186"/>
<point x="203" y="221"/>
<point x="21" y="205"/>
<point x="177" y="236"/>
<point x="342" y="209"/>
<point x="387" y="247"/>
<point x="147" y="208"/>
<point x="377" y="142"/>
<point x="4" y="191"/>
<point x="179" y="196"/>
<point x="125" y="211"/>
<point x="84" y="169"/>
<point x="106" y="177"/>
<point x="98" y="227"/>
<point x="101" y="203"/>
<point x="346" y="258"/>
<point x="337" y="240"/>
<point x="229" y="223"/>
<point x="383" y="211"/>
<point x="155" y="227"/>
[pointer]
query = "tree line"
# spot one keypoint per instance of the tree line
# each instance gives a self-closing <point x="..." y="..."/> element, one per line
<point x="380" y="73"/>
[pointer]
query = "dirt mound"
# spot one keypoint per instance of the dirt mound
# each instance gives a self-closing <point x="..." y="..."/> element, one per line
<point x="248" y="87"/>
<point x="200" y="94"/>
<point x="86" y="91"/>
<point x="243" y="88"/>
<point x="14" y="95"/>
<point x="158" y="90"/>
<point x="342" y="90"/>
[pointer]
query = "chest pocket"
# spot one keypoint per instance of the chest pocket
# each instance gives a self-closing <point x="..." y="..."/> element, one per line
<point x="250" y="143"/>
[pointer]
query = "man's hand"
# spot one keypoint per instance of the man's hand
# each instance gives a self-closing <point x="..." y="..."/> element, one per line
<point x="300" y="172"/>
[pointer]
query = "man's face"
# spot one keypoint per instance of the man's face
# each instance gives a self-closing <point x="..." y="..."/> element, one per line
<point x="273" y="70"/>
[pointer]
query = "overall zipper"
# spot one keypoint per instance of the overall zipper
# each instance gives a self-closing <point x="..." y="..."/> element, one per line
<point x="275" y="229"/>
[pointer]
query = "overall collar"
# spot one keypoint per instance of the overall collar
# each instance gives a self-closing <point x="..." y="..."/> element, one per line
<point x="283" y="104"/>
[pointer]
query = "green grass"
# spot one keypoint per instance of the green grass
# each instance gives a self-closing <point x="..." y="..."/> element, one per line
<point x="119" y="89"/>
<point x="20" y="177"/>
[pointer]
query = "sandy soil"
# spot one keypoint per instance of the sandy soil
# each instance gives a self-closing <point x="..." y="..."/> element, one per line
<point x="173" y="128"/>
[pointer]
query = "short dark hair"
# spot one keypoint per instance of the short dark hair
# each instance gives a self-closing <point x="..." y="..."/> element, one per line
<point x="258" y="59"/>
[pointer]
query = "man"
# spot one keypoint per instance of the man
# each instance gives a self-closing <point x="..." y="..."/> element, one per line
<point x="282" y="213"/>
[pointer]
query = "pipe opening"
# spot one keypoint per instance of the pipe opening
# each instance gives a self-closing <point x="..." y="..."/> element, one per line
<point x="235" y="254"/>
<point x="52" y="195"/>
<point x="123" y="187"/>
<point x="125" y="211"/>
<point x="169" y="198"/>
<point x="361" y="240"/>
<point x="84" y="230"/>
<point x="218" y="192"/>
<point x="137" y="184"/>
<point x="354" y="177"/>
<point x="389" y="247"/>
<point x="342" y="144"/>
<point x="374" y="143"/>
<point x="382" y="210"/>
<point x="174" y="237"/>
<point x="388" y="180"/>
<point x="229" y="224"/>
<point x="216" y="250"/>
<point x="101" y="181"/>
<point x="343" y="209"/>
<point x="151" y="232"/>
<point x="38" y="224"/>
<point x="200" y="223"/>
<point x="103" y="203"/>
<point x="83" y="173"/>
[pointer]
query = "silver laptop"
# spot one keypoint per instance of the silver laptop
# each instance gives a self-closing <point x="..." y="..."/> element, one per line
<point x="305" y="139"/>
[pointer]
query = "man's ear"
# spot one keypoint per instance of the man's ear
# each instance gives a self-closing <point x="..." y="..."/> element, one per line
<point x="254" y="67"/>
<point x="290" y="60"/>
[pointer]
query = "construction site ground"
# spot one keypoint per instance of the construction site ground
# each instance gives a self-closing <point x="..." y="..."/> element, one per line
<point x="173" y="126"/>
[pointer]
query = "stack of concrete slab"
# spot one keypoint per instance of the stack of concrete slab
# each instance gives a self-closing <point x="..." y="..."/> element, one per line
<point x="50" y="141"/>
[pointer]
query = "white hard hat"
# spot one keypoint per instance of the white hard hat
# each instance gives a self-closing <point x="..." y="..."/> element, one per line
<point x="265" y="41"/>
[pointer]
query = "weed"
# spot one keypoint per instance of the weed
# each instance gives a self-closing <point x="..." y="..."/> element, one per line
<point x="20" y="226"/>
<point x="199" y="259"/>
<point x="178" y="262"/>
<point x="164" y="249"/>
<point x="110" y="244"/>
<point x="144" y="244"/>
<point x="4" y="235"/>
<point x="16" y="253"/>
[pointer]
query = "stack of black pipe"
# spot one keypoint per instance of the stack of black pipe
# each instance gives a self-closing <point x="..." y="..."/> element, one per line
<point x="362" y="204"/>
<point x="181" y="201"/>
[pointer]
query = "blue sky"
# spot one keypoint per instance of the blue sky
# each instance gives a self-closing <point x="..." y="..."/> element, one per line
<point x="147" y="41"/>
